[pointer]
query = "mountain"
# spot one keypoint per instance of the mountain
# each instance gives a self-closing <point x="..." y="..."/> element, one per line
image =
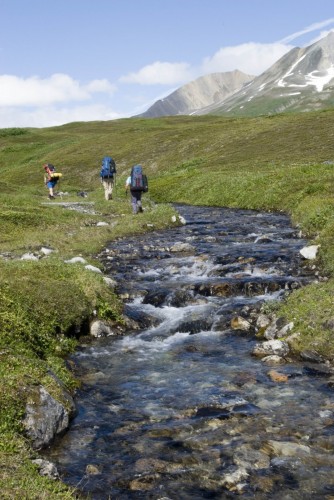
<point x="198" y="94"/>
<point x="301" y="80"/>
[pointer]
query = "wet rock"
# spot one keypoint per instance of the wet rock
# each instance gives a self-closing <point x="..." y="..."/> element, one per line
<point x="195" y="326"/>
<point x="141" y="317"/>
<point x="287" y="449"/>
<point x="156" y="297"/>
<point x="249" y="459"/>
<point x="144" y="483"/>
<point x="311" y="356"/>
<point x="263" y="320"/>
<point x="271" y="347"/>
<point x="100" y="328"/>
<point x="92" y="470"/>
<point x="233" y="477"/>
<point x="273" y="360"/>
<point x="262" y="484"/>
<point x="182" y="247"/>
<point x="46" y="468"/>
<point x="45" y="418"/>
<point x="264" y="239"/>
<point x="180" y="298"/>
<point x="239" y="323"/>
<point x="277" y="376"/>
<point x="225" y="412"/>
<point x="278" y="327"/>
<point x="270" y="332"/>
<point x="218" y="290"/>
<point x="213" y="412"/>
<point x="145" y="465"/>
<point x="245" y="410"/>
<point x="318" y="370"/>
<point x="285" y="465"/>
<point x="244" y="378"/>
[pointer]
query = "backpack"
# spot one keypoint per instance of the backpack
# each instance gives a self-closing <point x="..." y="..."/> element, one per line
<point x="51" y="171"/>
<point x="138" y="179"/>
<point x="108" y="168"/>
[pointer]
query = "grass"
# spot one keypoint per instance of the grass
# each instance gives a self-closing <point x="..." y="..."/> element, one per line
<point x="282" y="162"/>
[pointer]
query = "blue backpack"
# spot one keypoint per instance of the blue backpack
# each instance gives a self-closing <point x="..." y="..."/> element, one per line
<point x="108" y="168"/>
<point x="138" y="179"/>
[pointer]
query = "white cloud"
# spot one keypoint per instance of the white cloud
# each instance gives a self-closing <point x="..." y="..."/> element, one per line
<point x="308" y="29"/>
<point x="251" y="58"/>
<point x="50" y="116"/>
<point x="162" y="73"/>
<point x="34" y="91"/>
<point x="100" y="86"/>
<point x="322" y="34"/>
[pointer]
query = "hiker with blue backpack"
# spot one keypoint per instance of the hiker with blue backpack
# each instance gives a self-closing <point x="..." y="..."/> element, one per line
<point x="137" y="183"/>
<point x="108" y="176"/>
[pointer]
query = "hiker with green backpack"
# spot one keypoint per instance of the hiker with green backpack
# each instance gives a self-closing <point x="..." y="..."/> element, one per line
<point x="108" y="176"/>
<point x="137" y="183"/>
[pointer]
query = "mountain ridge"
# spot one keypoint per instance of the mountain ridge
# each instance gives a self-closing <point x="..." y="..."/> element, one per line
<point x="198" y="94"/>
<point x="301" y="80"/>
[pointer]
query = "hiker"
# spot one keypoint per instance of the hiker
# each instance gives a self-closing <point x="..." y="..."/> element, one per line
<point x="137" y="183"/>
<point x="108" y="176"/>
<point x="50" y="179"/>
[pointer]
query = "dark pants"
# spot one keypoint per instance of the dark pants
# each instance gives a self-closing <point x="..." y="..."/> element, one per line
<point x="136" y="201"/>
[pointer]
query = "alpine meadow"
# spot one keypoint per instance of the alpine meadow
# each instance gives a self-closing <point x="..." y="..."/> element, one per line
<point x="281" y="163"/>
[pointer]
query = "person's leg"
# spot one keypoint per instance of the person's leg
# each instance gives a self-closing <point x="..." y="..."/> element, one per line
<point x="106" y="188"/>
<point x="50" y="186"/>
<point x="110" y="186"/>
<point x="134" y="201"/>
<point x="139" y="204"/>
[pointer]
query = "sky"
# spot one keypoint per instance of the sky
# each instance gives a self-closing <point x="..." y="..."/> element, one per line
<point x="65" y="61"/>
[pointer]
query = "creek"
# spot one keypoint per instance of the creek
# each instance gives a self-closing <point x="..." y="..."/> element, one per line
<point x="179" y="408"/>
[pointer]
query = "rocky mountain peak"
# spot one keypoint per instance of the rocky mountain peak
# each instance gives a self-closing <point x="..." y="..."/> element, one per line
<point x="204" y="91"/>
<point x="301" y="80"/>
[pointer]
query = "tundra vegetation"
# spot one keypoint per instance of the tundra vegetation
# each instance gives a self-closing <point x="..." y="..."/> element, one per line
<point x="277" y="163"/>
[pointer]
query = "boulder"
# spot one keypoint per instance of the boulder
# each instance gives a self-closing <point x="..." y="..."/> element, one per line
<point x="310" y="252"/>
<point x="45" y="418"/>
<point x="270" y="348"/>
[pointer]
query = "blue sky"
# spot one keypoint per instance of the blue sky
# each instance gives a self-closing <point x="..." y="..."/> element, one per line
<point x="85" y="60"/>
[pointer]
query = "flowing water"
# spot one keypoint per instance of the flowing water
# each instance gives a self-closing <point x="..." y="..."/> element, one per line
<point x="178" y="408"/>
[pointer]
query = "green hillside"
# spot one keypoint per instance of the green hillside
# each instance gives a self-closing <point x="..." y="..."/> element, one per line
<point x="274" y="101"/>
<point x="284" y="162"/>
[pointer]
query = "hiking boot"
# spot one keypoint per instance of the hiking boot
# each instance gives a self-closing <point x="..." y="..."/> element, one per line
<point x="51" y="197"/>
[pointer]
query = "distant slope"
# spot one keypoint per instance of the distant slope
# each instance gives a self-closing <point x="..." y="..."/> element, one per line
<point x="302" y="80"/>
<point x="198" y="94"/>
